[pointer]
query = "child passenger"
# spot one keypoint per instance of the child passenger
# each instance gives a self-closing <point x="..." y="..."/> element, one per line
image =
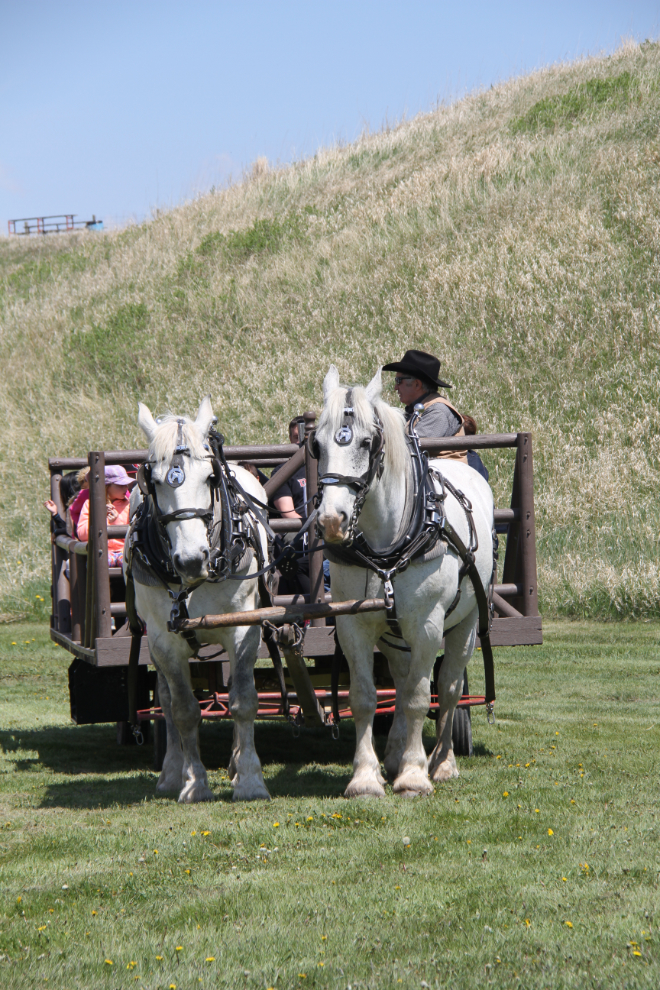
<point x="117" y="488"/>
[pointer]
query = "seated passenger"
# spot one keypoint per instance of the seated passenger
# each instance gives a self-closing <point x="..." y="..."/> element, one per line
<point x="117" y="487"/>
<point x="69" y="485"/>
<point x="290" y="501"/>
<point x="76" y="505"/>
<point x="418" y="382"/>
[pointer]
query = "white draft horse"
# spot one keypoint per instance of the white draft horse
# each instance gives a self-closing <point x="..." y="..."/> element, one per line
<point x="423" y="592"/>
<point x="187" y="516"/>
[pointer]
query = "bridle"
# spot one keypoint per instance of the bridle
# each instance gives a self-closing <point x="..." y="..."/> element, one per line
<point x="175" y="477"/>
<point x="362" y="483"/>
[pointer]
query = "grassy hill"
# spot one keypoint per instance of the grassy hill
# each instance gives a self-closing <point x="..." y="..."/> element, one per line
<point x="514" y="233"/>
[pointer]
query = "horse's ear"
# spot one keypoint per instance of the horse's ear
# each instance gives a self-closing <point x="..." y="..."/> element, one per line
<point x="205" y="416"/>
<point x="330" y="382"/>
<point x="146" y="422"/>
<point x="375" y="387"/>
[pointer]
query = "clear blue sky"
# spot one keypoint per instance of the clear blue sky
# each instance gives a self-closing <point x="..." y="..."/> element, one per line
<point x="115" y="108"/>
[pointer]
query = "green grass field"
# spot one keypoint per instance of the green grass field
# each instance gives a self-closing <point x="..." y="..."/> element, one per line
<point x="537" y="868"/>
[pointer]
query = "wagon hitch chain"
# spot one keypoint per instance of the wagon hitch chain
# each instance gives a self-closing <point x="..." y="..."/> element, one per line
<point x="137" y="734"/>
<point x="490" y="713"/>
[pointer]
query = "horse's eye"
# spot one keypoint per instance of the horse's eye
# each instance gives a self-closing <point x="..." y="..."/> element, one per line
<point x="366" y="442"/>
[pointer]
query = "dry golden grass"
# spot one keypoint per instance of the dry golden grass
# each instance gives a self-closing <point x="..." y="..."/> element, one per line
<point x="514" y="233"/>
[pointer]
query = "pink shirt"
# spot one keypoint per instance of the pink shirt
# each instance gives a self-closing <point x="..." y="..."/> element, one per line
<point x="122" y="507"/>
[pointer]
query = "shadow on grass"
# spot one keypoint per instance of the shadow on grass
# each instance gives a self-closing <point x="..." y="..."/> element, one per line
<point x="312" y="764"/>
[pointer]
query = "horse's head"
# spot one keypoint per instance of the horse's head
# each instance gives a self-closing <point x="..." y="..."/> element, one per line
<point x="352" y="452"/>
<point x="181" y="473"/>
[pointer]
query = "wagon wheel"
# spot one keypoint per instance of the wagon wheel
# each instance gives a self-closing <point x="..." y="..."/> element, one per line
<point x="160" y="735"/>
<point x="461" y="731"/>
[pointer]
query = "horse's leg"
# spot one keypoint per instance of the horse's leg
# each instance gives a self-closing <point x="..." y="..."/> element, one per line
<point x="412" y="777"/>
<point x="399" y="664"/>
<point x="173" y="663"/>
<point x="247" y="778"/>
<point x="357" y="642"/>
<point x="459" y="645"/>
<point x="171" y="776"/>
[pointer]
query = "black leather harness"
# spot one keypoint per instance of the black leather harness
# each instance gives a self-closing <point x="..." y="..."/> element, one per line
<point x="428" y="534"/>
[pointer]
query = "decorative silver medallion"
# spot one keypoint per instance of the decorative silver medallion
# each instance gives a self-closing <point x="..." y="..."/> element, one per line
<point x="175" y="476"/>
<point x="344" y="435"/>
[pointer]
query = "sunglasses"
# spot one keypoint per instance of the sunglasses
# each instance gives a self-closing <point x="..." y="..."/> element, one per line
<point x="403" y="378"/>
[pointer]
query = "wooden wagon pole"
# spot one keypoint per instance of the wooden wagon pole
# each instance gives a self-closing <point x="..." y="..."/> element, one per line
<point x="282" y="613"/>
<point x="98" y="538"/>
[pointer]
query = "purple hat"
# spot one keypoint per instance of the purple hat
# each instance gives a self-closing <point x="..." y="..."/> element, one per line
<point x="115" y="474"/>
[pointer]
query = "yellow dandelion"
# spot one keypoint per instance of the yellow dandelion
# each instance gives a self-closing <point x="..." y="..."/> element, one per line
<point x="302" y="976"/>
<point x="94" y="912"/>
<point x="210" y="959"/>
<point x="187" y="871"/>
<point x="527" y="922"/>
<point x="276" y="824"/>
<point x="469" y="842"/>
<point x="310" y="818"/>
<point x="159" y="958"/>
<point x="505" y="794"/>
<point x="526" y="765"/>
<point x="51" y="910"/>
<point x="320" y="964"/>
<point x="536" y="811"/>
<point x="42" y="929"/>
<point x="637" y="952"/>
<point x="193" y="833"/>
<point x="569" y="924"/>
<point x="397" y="887"/>
<point x="155" y="852"/>
<point x="108" y="962"/>
<point x="206" y="833"/>
<point x="13" y="644"/>
<point x="172" y="986"/>
<point x="498" y="757"/>
<point x="324" y="938"/>
<point x="19" y="899"/>
<point x="179" y="948"/>
<point x="572" y="800"/>
<point x="565" y="879"/>
<point x="550" y="832"/>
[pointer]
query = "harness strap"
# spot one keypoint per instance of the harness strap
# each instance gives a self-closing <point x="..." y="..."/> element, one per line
<point x="137" y="630"/>
<point x="482" y="604"/>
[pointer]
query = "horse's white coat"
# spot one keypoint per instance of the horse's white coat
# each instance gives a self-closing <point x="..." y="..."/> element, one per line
<point x="423" y="593"/>
<point x="183" y="769"/>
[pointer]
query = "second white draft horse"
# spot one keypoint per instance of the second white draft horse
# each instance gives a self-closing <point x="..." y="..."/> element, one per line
<point x="367" y="477"/>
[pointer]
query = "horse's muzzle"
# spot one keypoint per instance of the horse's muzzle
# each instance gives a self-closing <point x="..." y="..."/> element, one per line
<point x="194" y="568"/>
<point x="333" y="526"/>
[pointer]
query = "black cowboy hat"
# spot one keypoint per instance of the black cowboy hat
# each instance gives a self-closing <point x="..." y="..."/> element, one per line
<point x="419" y="364"/>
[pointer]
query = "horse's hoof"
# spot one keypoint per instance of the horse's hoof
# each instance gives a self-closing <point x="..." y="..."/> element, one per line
<point x="195" y="792"/>
<point x="444" y="772"/>
<point x="169" y="784"/>
<point x="365" y="788"/>
<point x="412" y="782"/>
<point x="250" y="792"/>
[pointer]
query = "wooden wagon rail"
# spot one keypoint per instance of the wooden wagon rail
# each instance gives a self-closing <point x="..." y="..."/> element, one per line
<point x="88" y="614"/>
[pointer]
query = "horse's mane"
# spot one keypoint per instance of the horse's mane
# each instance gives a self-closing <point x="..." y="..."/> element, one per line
<point x="165" y="438"/>
<point x="397" y="458"/>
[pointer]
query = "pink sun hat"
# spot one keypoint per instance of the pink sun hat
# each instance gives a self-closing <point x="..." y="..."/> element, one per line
<point x="115" y="474"/>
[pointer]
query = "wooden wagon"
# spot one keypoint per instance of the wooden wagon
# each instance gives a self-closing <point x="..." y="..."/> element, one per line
<point x="89" y="612"/>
